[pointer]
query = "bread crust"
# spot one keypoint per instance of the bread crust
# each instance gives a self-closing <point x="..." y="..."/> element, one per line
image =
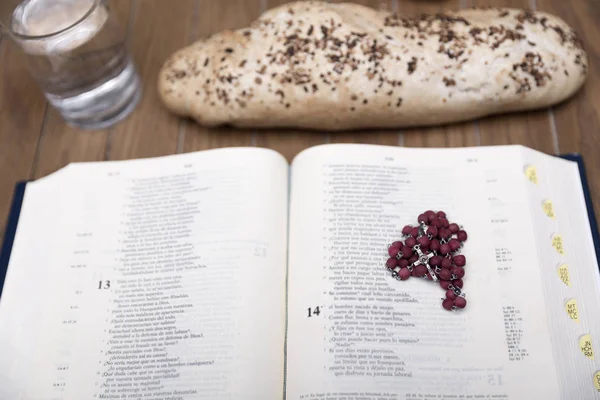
<point x="343" y="66"/>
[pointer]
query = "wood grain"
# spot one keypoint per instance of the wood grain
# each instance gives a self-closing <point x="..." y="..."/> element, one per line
<point x="577" y="120"/>
<point x="455" y="135"/>
<point x="22" y="108"/>
<point x="159" y="28"/>
<point x="530" y="129"/>
<point x="61" y="144"/>
<point x="214" y="17"/>
<point x="452" y="135"/>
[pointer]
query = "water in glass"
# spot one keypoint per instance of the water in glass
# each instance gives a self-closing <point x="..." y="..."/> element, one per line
<point x="77" y="52"/>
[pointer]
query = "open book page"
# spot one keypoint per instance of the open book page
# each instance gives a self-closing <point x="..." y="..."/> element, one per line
<point x="376" y="337"/>
<point x="569" y="270"/>
<point x="154" y="279"/>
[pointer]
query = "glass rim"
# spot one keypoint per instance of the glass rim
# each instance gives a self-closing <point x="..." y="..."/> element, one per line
<point x="20" y="36"/>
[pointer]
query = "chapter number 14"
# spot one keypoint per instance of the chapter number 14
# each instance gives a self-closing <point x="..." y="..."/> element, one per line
<point x="314" y="311"/>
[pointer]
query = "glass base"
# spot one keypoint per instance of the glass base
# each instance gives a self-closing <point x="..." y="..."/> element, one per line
<point x="104" y="105"/>
<point x="92" y="124"/>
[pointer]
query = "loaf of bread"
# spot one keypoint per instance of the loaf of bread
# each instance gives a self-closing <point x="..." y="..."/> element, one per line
<point x="317" y="65"/>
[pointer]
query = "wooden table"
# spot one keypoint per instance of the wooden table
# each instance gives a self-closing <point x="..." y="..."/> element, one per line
<point x="34" y="141"/>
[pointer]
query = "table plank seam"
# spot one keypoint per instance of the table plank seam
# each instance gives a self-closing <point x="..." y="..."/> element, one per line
<point x="108" y="146"/>
<point x="180" y="138"/>
<point x="36" y="157"/>
<point x="555" y="143"/>
<point x="477" y="133"/>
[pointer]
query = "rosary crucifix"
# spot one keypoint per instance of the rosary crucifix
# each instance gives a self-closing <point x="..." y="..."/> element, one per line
<point x="424" y="260"/>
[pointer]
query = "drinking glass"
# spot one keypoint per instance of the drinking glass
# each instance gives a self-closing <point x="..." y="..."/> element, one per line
<point x="76" y="51"/>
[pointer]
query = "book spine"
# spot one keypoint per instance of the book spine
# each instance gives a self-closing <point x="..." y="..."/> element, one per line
<point x="11" y="230"/>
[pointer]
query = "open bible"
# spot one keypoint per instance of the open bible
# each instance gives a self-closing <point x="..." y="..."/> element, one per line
<point x="231" y="274"/>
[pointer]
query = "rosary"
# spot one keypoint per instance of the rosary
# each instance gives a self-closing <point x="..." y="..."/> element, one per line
<point x="431" y="251"/>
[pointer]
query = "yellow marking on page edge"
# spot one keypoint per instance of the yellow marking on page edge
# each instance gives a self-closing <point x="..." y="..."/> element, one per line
<point x="572" y="311"/>
<point x="585" y="344"/>
<point x="531" y="174"/>
<point x="557" y="243"/>
<point x="563" y="273"/>
<point x="548" y="208"/>
<point x="597" y="380"/>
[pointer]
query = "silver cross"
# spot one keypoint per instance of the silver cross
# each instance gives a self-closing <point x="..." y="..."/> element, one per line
<point x="424" y="260"/>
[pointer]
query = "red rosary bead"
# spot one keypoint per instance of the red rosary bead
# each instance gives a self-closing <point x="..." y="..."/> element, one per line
<point x="406" y="230"/>
<point x="435" y="261"/>
<point x="412" y="260"/>
<point x="391" y="263"/>
<point x="460" y="302"/>
<point x="404" y="274"/>
<point x="414" y="232"/>
<point x="444" y="233"/>
<point x="393" y="251"/>
<point x="445" y="223"/>
<point x="457" y="283"/>
<point x="411" y="242"/>
<point x="445" y="284"/>
<point x="407" y="252"/>
<point x="448" y="304"/>
<point x="403" y="263"/>
<point x="446" y="263"/>
<point x="434" y="245"/>
<point x="432" y="230"/>
<point x="445" y="274"/>
<point x="423" y="242"/>
<point x="458" y="272"/>
<point x="423" y="219"/>
<point x="459" y="260"/>
<point x="420" y="270"/>
<point x="462" y="236"/>
<point x="398" y="244"/>
<point x="441" y="214"/>
<point x="450" y="294"/>
<point x="445" y="249"/>
<point x="454" y="228"/>
<point x="454" y="244"/>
